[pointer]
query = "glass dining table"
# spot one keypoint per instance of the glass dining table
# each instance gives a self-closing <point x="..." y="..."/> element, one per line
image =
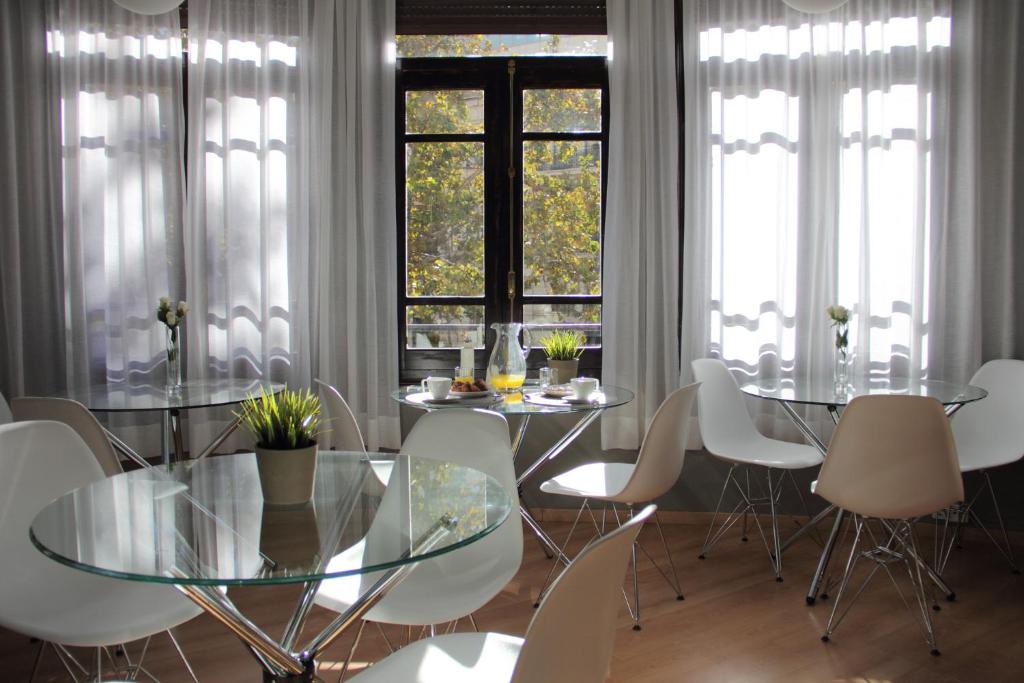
<point x="822" y="392"/>
<point x="125" y="397"/>
<point x="529" y="403"/>
<point x="204" y="526"/>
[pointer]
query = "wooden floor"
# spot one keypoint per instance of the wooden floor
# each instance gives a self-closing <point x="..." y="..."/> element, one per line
<point x="737" y="624"/>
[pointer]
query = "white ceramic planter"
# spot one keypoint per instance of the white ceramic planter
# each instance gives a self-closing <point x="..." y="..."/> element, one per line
<point x="564" y="370"/>
<point x="287" y="476"/>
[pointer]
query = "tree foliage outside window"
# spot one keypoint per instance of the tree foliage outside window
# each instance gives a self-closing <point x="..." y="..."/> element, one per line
<point x="561" y="209"/>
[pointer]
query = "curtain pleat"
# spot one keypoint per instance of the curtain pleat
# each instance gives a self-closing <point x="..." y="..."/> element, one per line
<point x="354" y="180"/>
<point x="641" y="251"/>
<point x="32" y="342"/>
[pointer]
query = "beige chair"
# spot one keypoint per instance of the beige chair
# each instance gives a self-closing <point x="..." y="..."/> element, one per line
<point x="657" y="468"/>
<point x="5" y="412"/>
<point x="76" y="416"/>
<point x="892" y="459"/>
<point x="569" y="640"/>
<point x="342" y="431"/>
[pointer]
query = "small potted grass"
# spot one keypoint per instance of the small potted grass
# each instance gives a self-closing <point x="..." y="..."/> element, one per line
<point x="563" y="349"/>
<point x="285" y="425"/>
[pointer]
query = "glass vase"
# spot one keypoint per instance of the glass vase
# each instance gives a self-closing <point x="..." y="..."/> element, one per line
<point x="841" y="366"/>
<point x="173" y="359"/>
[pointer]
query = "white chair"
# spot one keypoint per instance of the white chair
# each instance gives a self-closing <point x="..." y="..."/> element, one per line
<point x="342" y="429"/>
<point x="5" y="411"/>
<point x="989" y="433"/>
<point x="658" y="465"/>
<point x="569" y="640"/>
<point x="730" y="435"/>
<point x="76" y="416"/>
<point x="52" y="602"/>
<point x="455" y="584"/>
<point x="891" y="458"/>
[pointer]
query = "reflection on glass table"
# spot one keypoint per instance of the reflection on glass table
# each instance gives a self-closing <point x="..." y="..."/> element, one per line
<point x="529" y="403"/>
<point x="125" y="397"/>
<point x="822" y="391"/>
<point x="205" y="525"/>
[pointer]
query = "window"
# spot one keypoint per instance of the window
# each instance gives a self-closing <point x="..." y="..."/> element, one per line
<point x="501" y="170"/>
<point x="819" y="139"/>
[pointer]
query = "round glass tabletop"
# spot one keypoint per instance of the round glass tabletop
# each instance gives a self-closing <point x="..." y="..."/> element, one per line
<point x="205" y="523"/>
<point x="529" y="401"/>
<point x="822" y="391"/>
<point x="122" y="396"/>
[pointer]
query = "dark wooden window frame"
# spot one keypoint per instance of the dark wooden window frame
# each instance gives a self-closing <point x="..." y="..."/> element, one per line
<point x="490" y="74"/>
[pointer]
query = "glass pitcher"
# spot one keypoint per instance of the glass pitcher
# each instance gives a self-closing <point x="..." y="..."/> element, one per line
<point x="506" y="369"/>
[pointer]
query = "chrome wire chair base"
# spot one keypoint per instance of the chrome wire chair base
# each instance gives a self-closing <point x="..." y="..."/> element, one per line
<point x="118" y="663"/>
<point x="898" y="547"/>
<point x="951" y="523"/>
<point x="748" y="505"/>
<point x="599" y="530"/>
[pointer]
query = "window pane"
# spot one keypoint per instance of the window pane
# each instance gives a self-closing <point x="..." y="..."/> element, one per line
<point x="480" y="45"/>
<point x="444" y="198"/>
<point x="562" y="110"/>
<point x="562" y="217"/>
<point x="444" y="111"/>
<point x="443" y="327"/>
<point x="542" y="318"/>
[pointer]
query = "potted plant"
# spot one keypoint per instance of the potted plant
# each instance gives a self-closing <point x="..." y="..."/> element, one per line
<point x="563" y="349"/>
<point x="285" y="425"/>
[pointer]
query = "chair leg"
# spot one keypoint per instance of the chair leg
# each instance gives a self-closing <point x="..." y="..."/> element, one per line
<point x="777" y="555"/>
<point x="672" y="565"/>
<point x="352" y="650"/>
<point x="636" y="580"/>
<point x="916" y="579"/>
<point x="851" y="563"/>
<point x="1007" y="550"/>
<point x="721" y="496"/>
<point x="803" y="504"/>
<point x="38" y="659"/>
<point x="181" y="655"/>
<point x="565" y="546"/>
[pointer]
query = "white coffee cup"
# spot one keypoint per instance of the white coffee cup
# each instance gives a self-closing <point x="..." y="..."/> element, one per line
<point x="584" y="387"/>
<point x="437" y="387"/>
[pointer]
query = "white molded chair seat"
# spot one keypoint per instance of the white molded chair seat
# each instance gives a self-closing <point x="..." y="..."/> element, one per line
<point x="569" y="640"/>
<point x="990" y="432"/>
<point x="658" y="466"/>
<point x="729" y="434"/>
<point x="342" y="431"/>
<point x="77" y="416"/>
<point x="603" y="480"/>
<point x="458" y="583"/>
<point x="39" y="597"/>
<point x="766" y="452"/>
<point x="454" y="658"/>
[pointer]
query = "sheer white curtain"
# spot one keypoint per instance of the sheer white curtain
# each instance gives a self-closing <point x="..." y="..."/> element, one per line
<point x="248" y="195"/>
<point x="640" y="320"/>
<point x="119" y="77"/>
<point x="31" y="234"/>
<point x="291" y="246"/>
<point x="979" y="256"/>
<point x="354" y="181"/>
<point x="811" y="154"/>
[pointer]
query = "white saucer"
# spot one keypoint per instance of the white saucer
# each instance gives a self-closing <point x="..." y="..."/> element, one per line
<point x="440" y="401"/>
<point x="580" y="401"/>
